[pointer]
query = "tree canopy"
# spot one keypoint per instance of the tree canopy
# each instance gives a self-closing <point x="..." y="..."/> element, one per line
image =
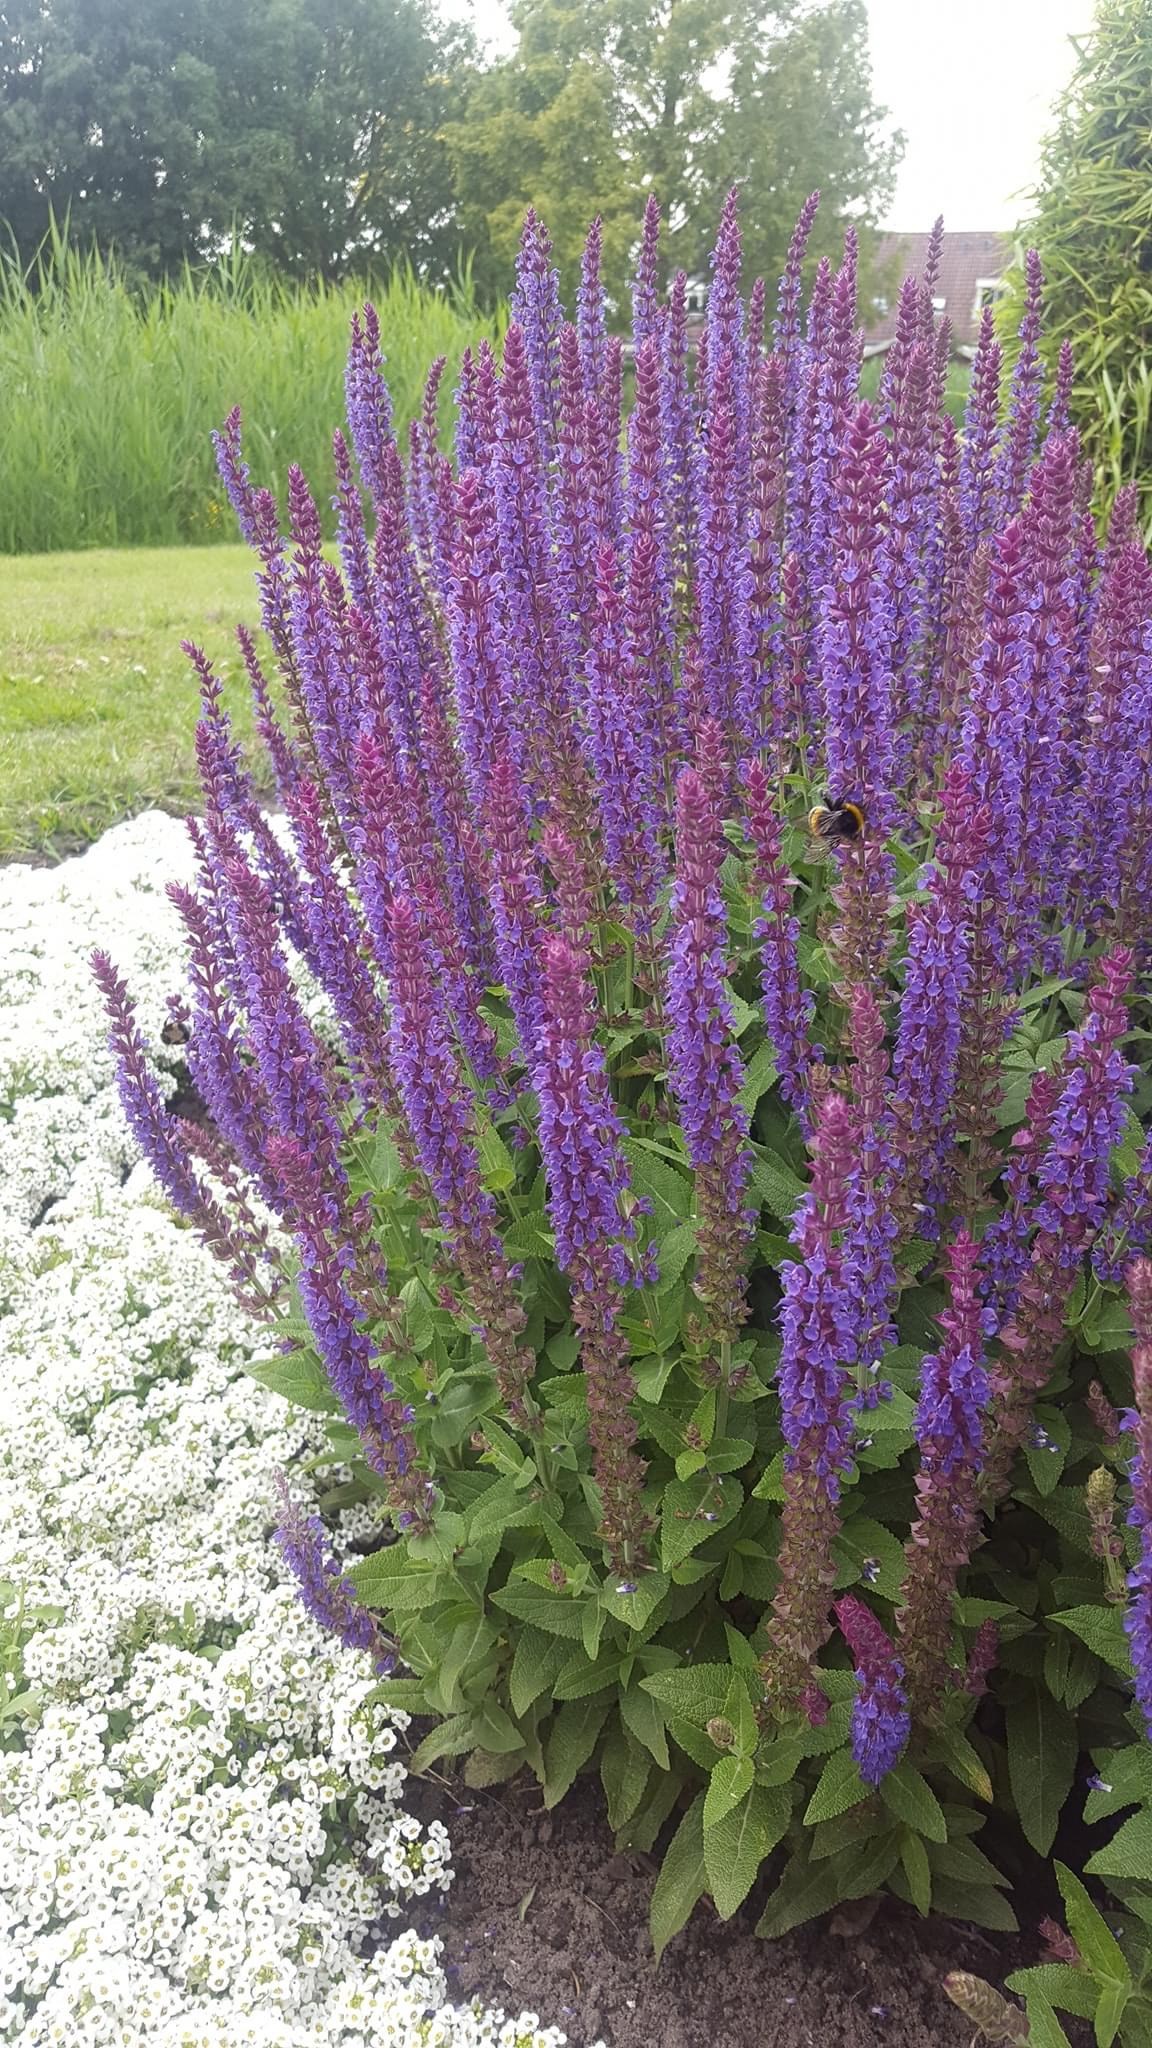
<point x="333" y="135"/>
<point x="311" y="127"/>
<point x="600" y="104"/>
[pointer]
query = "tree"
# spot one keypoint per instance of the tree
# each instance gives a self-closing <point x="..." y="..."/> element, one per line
<point x="601" y="103"/>
<point x="1092" y="224"/>
<point x="311" y="126"/>
<point x="798" y="116"/>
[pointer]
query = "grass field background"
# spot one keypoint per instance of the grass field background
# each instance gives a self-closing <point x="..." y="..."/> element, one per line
<point x="97" y="702"/>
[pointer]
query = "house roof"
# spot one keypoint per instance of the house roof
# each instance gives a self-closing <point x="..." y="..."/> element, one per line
<point x="968" y="260"/>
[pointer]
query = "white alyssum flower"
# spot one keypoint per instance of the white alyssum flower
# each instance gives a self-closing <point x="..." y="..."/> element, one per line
<point x="202" y="1835"/>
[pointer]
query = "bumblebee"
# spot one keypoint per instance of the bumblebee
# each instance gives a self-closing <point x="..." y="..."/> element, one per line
<point x="832" y="821"/>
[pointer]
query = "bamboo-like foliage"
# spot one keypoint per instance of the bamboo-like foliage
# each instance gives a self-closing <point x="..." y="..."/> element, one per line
<point x="1092" y="224"/>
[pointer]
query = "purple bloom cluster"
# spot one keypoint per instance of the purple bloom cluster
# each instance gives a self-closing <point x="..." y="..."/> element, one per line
<point x="1071" y="1189"/>
<point x="788" y="1006"/>
<point x="706" y="1071"/>
<point x="954" y="1389"/>
<point x="587" y="1182"/>
<point x="881" y="1722"/>
<point x="329" y="1597"/>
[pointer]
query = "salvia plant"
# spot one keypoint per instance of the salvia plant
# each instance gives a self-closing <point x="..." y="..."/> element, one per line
<point x="706" y="1228"/>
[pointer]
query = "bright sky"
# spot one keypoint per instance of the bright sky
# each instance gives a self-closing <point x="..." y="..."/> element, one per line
<point x="971" y="83"/>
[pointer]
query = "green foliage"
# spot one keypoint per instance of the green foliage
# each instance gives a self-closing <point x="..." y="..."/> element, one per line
<point x="1092" y="224"/>
<point x="310" y="133"/>
<point x="600" y="104"/>
<point x="112" y="392"/>
<point x="1105" y="1969"/>
<point x="532" y="1652"/>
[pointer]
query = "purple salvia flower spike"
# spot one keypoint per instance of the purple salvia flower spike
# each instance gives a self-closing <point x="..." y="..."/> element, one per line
<point x="1072" y="1189"/>
<point x="650" y="593"/>
<point x="465" y="440"/>
<point x="1019" y="437"/>
<point x="587" y="1174"/>
<point x="293" y="1067"/>
<point x="871" y="1224"/>
<point x="535" y="308"/>
<point x="486" y="710"/>
<point x="1059" y="415"/>
<point x="161" y="1137"/>
<point x="285" y="766"/>
<point x="369" y="402"/>
<point x="355" y="1373"/>
<point x="788" y="1006"/>
<point x="787" y="341"/>
<point x="705" y="1070"/>
<point x="355" y="553"/>
<point x="645" y="293"/>
<point x="723" y="568"/>
<point x="679" y="423"/>
<point x="329" y="1597"/>
<point x="881" y="1723"/>
<point x="516" y="898"/>
<point x="624" y="753"/>
<point x="439" y="1114"/>
<point x="228" y="1082"/>
<point x="543" y="641"/>
<point x="818" y="1353"/>
<point x="336" y="950"/>
<point x="856" y="635"/>
<point x="762" y="709"/>
<point x="591" y="328"/>
<point x="575" y="524"/>
<point x="236" y="476"/>
<point x="950" y="1438"/>
<point x="978" y="495"/>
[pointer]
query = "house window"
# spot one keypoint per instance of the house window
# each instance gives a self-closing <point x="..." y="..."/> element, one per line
<point x="988" y="290"/>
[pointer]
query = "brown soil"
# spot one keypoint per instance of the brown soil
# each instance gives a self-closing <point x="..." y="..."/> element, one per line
<point x="543" y="1916"/>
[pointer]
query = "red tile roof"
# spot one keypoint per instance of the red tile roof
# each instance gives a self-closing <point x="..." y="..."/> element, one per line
<point x="968" y="261"/>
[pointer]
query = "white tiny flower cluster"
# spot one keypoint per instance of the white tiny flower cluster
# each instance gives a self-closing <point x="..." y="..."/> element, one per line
<point x="202" y="1836"/>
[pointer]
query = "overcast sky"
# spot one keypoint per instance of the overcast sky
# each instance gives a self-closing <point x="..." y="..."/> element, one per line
<point x="971" y="83"/>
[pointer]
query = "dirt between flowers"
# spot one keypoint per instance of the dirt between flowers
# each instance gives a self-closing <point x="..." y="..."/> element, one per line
<point x="543" y="1915"/>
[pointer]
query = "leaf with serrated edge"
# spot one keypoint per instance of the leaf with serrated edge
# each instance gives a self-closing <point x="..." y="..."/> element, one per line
<point x="736" y="1846"/>
<point x="840" y="1787"/>
<point x="1042" y="1751"/>
<point x="910" y="1797"/>
<point x="682" y="1881"/>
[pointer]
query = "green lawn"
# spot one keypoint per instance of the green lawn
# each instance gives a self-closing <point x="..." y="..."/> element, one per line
<point x="97" y="703"/>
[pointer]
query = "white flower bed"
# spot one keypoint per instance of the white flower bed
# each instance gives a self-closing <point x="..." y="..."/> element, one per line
<point x="201" y="1826"/>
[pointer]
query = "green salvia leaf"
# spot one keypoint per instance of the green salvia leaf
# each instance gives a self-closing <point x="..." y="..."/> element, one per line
<point x="907" y="1794"/>
<point x="840" y="1787"/>
<point x="1042" y="1750"/>
<point x="1097" y="1944"/>
<point x="682" y="1881"/>
<point x="736" y="1844"/>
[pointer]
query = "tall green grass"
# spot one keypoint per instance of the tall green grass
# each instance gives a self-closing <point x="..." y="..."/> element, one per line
<point x="109" y="392"/>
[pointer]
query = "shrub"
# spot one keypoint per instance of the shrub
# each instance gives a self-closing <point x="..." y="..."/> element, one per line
<point x="708" y="1219"/>
<point x="1092" y="224"/>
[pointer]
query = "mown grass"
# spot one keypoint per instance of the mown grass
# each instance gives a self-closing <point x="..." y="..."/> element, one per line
<point x="111" y="392"/>
<point x="97" y="702"/>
